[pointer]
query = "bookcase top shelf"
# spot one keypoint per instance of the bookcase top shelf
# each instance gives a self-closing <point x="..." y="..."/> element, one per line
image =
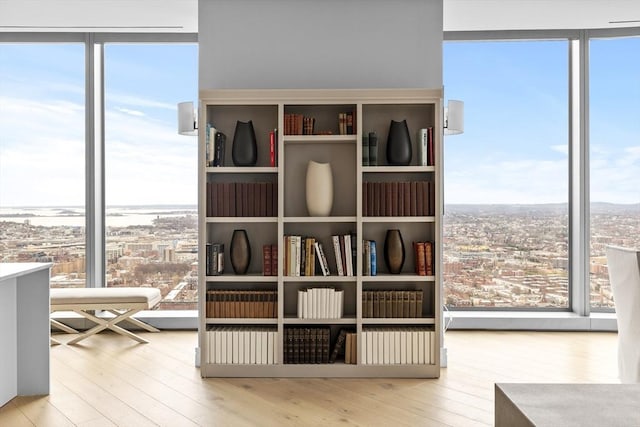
<point x="242" y="278"/>
<point x="399" y="321"/>
<point x="342" y="321"/>
<point x="325" y="139"/>
<point x="397" y="278"/>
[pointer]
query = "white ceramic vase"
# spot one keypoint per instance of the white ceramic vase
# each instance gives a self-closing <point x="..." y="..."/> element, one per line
<point x="319" y="188"/>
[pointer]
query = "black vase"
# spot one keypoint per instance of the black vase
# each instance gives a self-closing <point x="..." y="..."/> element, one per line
<point x="240" y="251"/>
<point x="394" y="251"/>
<point x="399" y="144"/>
<point x="245" y="150"/>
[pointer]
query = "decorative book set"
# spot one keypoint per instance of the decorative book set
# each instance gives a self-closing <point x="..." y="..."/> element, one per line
<point x="241" y="304"/>
<point x="242" y="345"/>
<point x="390" y="345"/>
<point x="306" y="256"/>
<point x="300" y="124"/>
<point x="412" y="198"/>
<point x="320" y="303"/>
<point x="242" y="199"/>
<point x="392" y="304"/>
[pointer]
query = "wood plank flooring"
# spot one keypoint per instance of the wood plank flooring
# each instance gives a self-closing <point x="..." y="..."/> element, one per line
<point x="110" y="380"/>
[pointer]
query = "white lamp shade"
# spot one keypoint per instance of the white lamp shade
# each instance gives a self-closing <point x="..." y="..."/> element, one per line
<point x="187" y="123"/>
<point x="454" y="118"/>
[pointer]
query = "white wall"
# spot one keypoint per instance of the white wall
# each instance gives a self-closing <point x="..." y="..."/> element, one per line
<point x="486" y="15"/>
<point x="320" y="44"/>
<point x="144" y="16"/>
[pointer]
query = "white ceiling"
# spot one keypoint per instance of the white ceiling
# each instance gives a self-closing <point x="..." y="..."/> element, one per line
<point x="182" y="15"/>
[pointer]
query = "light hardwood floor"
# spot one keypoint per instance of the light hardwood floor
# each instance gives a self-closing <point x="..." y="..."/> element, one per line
<point x="111" y="380"/>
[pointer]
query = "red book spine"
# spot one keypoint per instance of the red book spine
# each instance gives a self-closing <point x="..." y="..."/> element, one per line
<point x="272" y="148"/>
<point x="266" y="260"/>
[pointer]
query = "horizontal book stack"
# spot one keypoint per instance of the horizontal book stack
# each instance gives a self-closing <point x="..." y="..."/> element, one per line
<point x="345" y="123"/>
<point x="304" y="256"/>
<point x="423" y="252"/>
<point x="269" y="260"/>
<point x="298" y="124"/>
<point x="243" y="345"/>
<point x="370" y="258"/>
<point x="391" y="304"/>
<point x="415" y="198"/>
<point x="215" y="259"/>
<point x="320" y="303"/>
<point x="240" y="199"/>
<point x="392" y="346"/>
<point x="306" y="345"/>
<point x="242" y="304"/>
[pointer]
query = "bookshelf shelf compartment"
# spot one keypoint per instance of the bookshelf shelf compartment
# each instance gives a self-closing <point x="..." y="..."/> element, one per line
<point x="341" y="119"/>
<point x="317" y="219"/>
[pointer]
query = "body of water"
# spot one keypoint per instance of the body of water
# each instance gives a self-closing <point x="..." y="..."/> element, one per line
<point x="121" y="216"/>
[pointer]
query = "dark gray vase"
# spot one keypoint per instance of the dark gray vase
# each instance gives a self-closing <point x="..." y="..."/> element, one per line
<point x="240" y="251"/>
<point x="245" y="150"/>
<point x="394" y="251"/>
<point x="399" y="144"/>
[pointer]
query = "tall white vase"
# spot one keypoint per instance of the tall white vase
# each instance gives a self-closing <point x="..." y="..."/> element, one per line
<point x="319" y="188"/>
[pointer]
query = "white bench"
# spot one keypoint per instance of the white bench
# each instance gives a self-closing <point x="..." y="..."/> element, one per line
<point x="123" y="303"/>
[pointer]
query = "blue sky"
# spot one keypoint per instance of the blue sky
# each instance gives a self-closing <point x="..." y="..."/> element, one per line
<point x="513" y="150"/>
<point x="42" y="124"/>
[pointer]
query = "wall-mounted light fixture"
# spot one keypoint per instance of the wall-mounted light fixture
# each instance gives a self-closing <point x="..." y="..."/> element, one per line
<point x="187" y="119"/>
<point x="454" y="117"/>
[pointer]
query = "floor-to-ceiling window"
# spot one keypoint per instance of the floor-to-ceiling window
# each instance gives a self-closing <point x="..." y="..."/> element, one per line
<point x="506" y="178"/>
<point x="150" y="171"/>
<point x="42" y="157"/>
<point x="614" y="157"/>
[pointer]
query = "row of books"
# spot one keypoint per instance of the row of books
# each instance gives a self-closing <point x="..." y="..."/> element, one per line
<point x="305" y="255"/>
<point x="392" y="346"/>
<point x="242" y="199"/>
<point x="214" y="259"/>
<point x="241" y="304"/>
<point x="346" y="345"/>
<point x="346" y="123"/>
<point x="414" y="198"/>
<point x="243" y="345"/>
<point x="306" y="345"/>
<point x="320" y="303"/>
<point x="370" y="149"/>
<point x="424" y="258"/>
<point x="370" y="258"/>
<point x="298" y="124"/>
<point x="269" y="260"/>
<point x="391" y="304"/>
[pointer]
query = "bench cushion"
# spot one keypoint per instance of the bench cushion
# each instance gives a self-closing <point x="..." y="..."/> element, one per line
<point x="75" y="296"/>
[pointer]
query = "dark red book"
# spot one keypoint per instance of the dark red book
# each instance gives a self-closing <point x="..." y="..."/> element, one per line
<point x="425" y="197"/>
<point x="430" y="153"/>
<point x="266" y="260"/>
<point x="209" y="200"/>
<point x="272" y="148"/>
<point x="250" y="199"/>
<point x="388" y="189"/>
<point x="400" y="199"/>
<point x="432" y="198"/>
<point x="226" y="201"/>
<point x="269" y="199"/>
<point x="274" y="261"/>
<point x="220" y="199"/>
<point x="419" y="198"/>
<point x="263" y="198"/>
<point x="419" y="251"/>
<point x="394" y="198"/>
<point x="428" y="257"/>
<point x="414" y="198"/>
<point x="232" y="199"/>
<point x="245" y="198"/>
<point x="365" y="190"/>
<point x="406" y="188"/>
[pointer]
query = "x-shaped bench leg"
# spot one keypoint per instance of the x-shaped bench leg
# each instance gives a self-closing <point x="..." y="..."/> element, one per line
<point x="112" y="324"/>
<point x="136" y="322"/>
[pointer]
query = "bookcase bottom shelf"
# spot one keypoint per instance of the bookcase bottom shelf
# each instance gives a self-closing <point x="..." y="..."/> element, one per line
<point x="336" y="370"/>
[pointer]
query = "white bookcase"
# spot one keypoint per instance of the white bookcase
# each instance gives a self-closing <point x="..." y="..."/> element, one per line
<point x="372" y="111"/>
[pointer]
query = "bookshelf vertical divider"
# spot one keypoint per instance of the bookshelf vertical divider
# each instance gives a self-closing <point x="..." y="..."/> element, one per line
<point x="285" y="323"/>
